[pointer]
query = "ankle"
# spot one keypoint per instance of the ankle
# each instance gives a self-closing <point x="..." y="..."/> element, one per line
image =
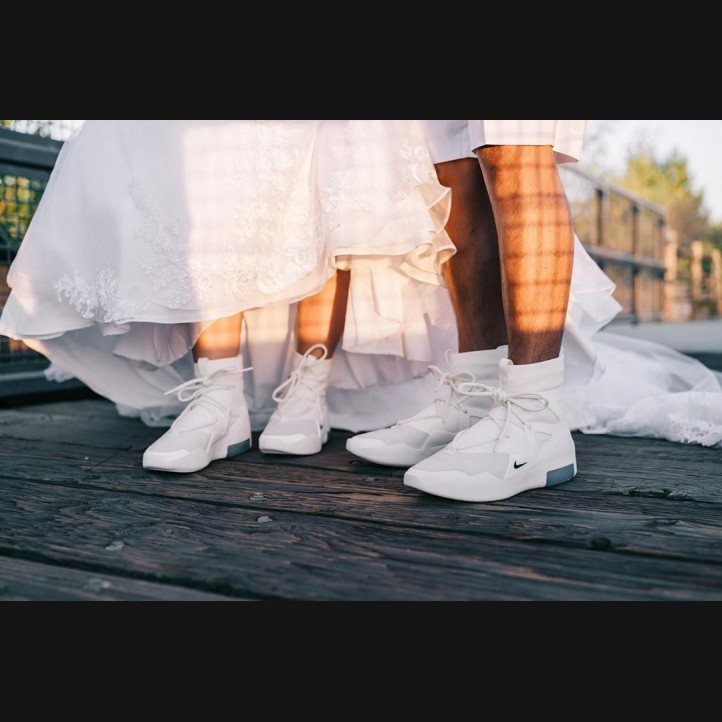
<point x="526" y="353"/>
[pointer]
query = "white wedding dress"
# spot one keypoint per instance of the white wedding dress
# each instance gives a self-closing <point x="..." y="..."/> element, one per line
<point x="150" y="229"/>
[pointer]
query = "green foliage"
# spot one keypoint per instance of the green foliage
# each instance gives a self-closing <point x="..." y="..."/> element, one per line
<point x="19" y="197"/>
<point x="668" y="182"/>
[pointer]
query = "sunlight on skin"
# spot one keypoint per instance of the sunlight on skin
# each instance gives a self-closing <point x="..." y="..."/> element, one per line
<point x="221" y="340"/>
<point x="321" y="319"/>
<point x="474" y="273"/>
<point x="536" y="240"/>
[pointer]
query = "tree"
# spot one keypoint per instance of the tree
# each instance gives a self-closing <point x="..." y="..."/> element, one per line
<point x="668" y="182"/>
<point x="19" y="198"/>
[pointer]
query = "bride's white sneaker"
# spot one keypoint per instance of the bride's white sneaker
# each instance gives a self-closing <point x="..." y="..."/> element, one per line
<point x="215" y="424"/>
<point x="523" y="443"/>
<point x="300" y="425"/>
<point x="431" y="430"/>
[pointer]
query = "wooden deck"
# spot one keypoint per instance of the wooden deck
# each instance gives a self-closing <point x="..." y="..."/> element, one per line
<point x="80" y="519"/>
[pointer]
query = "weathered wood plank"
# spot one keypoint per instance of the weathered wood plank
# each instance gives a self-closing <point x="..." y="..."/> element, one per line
<point x="591" y="485"/>
<point x="295" y="556"/>
<point x="29" y="581"/>
<point x="583" y="520"/>
<point x="341" y="529"/>
<point x="669" y="472"/>
<point x="101" y="431"/>
<point x="81" y="409"/>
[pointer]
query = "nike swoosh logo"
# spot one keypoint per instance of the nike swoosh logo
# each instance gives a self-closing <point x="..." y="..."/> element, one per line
<point x="518" y="466"/>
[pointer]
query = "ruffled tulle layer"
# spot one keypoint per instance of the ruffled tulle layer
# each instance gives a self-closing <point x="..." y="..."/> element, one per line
<point x="149" y="230"/>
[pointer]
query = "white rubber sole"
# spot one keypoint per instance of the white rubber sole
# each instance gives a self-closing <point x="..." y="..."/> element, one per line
<point x="236" y="442"/>
<point x="557" y="466"/>
<point x="278" y="446"/>
<point x="398" y="456"/>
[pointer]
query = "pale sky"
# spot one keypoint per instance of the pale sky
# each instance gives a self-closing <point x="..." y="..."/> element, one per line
<point x="699" y="140"/>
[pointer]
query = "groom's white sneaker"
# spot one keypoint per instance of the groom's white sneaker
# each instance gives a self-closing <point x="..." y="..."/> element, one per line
<point x="524" y="442"/>
<point x="214" y="425"/>
<point x="300" y="425"/>
<point x="431" y="430"/>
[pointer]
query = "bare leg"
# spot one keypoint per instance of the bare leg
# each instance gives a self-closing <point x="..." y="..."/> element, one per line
<point x="301" y="425"/>
<point x="222" y="340"/>
<point x="322" y="318"/>
<point x="536" y="240"/>
<point x="474" y="274"/>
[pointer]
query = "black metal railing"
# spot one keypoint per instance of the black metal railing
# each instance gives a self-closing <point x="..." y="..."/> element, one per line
<point x="626" y="236"/>
<point x="26" y="162"/>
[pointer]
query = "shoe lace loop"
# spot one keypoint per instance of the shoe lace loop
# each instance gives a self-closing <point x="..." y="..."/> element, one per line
<point x="454" y="398"/>
<point x="300" y="379"/>
<point x="195" y="388"/>
<point x="531" y="403"/>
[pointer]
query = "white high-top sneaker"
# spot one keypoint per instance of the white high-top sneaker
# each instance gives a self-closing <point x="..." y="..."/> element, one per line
<point x="431" y="430"/>
<point x="214" y="425"/>
<point x="300" y="425"/>
<point x="523" y="443"/>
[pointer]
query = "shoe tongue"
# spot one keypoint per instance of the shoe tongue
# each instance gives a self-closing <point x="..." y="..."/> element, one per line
<point x="504" y="377"/>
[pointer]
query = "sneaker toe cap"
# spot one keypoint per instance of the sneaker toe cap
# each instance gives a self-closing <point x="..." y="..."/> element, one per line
<point x="444" y="462"/>
<point x="166" y="457"/>
<point x="413" y="438"/>
<point x="178" y="445"/>
<point x="291" y="429"/>
<point x="365" y="443"/>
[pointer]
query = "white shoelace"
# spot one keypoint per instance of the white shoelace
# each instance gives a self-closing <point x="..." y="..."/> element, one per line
<point x="300" y="380"/>
<point x="503" y="399"/>
<point x="455" y="399"/>
<point x="194" y="392"/>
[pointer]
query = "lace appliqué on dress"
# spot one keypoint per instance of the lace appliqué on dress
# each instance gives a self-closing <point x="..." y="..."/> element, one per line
<point x="686" y="418"/>
<point x="281" y="188"/>
<point x="687" y="430"/>
<point x="278" y="227"/>
<point x="274" y="240"/>
<point x="366" y="177"/>
<point x="416" y="169"/>
<point x="172" y="274"/>
<point x="98" y="300"/>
